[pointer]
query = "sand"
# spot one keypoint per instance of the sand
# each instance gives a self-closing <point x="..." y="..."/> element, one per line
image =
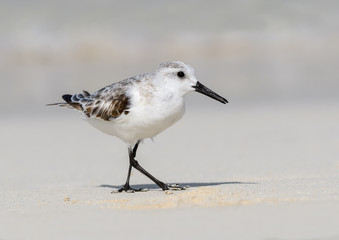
<point x="261" y="171"/>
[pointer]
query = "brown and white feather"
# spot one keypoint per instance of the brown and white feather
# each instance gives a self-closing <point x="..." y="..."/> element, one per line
<point x="107" y="103"/>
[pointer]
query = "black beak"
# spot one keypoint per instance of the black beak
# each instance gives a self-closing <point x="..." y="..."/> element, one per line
<point x="208" y="92"/>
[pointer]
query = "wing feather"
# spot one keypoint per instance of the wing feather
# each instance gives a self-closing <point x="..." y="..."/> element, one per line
<point x="107" y="104"/>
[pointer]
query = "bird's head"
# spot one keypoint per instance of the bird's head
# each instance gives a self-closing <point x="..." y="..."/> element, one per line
<point x="179" y="77"/>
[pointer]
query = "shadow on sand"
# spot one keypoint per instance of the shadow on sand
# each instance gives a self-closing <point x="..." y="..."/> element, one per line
<point x="192" y="184"/>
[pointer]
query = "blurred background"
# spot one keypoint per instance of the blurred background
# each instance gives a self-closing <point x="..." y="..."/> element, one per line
<point x="277" y="62"/>
<point x="247" y="50"/>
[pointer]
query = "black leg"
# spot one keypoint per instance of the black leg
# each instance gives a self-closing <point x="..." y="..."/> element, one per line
<point x="133" y="153"/>
<point x="162" y="185"/>
<point x="127" y="187"/>
<point x="134" y="163"/>
<point x="137" y="166"/>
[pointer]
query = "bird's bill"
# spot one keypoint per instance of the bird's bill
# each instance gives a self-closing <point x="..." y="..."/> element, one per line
<point x="208" y="92"/>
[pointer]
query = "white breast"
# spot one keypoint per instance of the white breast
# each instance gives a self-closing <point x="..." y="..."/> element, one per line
<point x="149" y="114"/>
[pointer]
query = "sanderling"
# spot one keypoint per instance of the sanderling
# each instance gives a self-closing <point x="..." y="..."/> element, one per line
<point x="140" y="107"/>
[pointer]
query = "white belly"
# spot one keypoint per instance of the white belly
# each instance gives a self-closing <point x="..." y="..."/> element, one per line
<point x="141" y="122"/>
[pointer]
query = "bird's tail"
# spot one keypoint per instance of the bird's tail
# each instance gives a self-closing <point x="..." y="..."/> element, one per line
<point x="54" y="104"/>
<point x="72" y="101"/>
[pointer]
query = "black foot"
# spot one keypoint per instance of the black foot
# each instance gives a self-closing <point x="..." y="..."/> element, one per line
<point x="174" y="187"/>
<point x="128" y="189"/>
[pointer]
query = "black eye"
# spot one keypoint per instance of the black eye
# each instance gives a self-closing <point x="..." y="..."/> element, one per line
<point x="181" y="74"/>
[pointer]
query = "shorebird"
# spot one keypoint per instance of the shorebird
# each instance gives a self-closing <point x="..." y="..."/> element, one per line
<point x="140" y="107"/>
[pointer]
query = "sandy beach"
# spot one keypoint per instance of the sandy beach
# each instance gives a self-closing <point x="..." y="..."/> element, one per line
<point x="256" y="172"/>
<point x="263" y="167"/>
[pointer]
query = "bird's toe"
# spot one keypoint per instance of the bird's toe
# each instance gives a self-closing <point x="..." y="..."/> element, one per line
<point x="176" y="187"/>
<point x="129" y="189"/>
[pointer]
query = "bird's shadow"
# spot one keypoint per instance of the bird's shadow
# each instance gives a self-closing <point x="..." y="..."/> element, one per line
<point x="191" y="184"/>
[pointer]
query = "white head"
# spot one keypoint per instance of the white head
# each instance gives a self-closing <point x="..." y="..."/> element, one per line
<point x="176" y="76"/>
<point x="179" y="77"/>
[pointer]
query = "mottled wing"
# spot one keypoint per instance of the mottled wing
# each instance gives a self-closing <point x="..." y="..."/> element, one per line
<point x="107" y="103"/>
<point x="107" y="106"/>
